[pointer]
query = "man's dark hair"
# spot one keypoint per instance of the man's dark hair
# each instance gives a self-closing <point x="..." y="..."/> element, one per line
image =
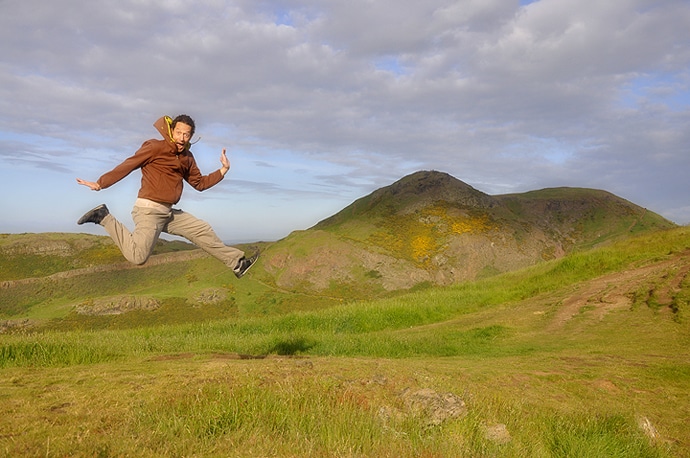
<point x="184" y="119"/>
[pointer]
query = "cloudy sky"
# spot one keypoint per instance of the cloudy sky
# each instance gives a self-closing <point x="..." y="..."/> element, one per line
<point x="320" y="102"/>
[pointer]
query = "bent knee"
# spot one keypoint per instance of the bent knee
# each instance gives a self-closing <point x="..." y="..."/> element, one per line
<point x="138" y="258"/>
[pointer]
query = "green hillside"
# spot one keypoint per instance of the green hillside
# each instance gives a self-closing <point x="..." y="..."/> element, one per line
<point x="583" y="217"/>
<point x="430" y="228"/>
<point x="585" y="355"/>
<point x="40" y="255"/>
<point x="427" y="229"/>
<point x="173" y="287"/>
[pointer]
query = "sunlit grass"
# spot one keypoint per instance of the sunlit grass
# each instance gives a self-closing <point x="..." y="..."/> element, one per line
<point x="331" y="382"/>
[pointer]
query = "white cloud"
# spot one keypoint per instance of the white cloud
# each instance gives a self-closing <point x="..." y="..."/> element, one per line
<point x="342" y="97"/>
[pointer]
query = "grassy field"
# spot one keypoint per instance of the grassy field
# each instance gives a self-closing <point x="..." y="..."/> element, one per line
<point x="584" y="356"/>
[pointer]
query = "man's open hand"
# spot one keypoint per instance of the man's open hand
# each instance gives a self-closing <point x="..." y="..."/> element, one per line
<point x="225" y="162"/>
<point x="90" y="184"/>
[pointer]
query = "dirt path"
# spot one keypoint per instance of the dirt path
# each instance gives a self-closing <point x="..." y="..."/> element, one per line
<point x="660" y="281"/>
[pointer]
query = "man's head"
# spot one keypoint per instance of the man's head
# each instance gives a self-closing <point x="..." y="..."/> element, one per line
<point x="182" y="131"/>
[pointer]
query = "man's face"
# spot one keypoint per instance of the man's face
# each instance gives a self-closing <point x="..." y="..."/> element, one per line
<point x="181" y="135"/>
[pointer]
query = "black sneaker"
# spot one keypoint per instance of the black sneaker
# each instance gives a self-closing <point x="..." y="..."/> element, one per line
<point x="94" y="215"/>
<point x="244" y="264"/>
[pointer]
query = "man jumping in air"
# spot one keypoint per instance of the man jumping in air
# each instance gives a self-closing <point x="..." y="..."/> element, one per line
<point x="164" y="164"/>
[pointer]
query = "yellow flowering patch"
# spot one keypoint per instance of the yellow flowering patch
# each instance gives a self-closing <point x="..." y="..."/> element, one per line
<point x="471" y="225"/>
<point x="422" y="248"/>
<point x="421" y="235"/>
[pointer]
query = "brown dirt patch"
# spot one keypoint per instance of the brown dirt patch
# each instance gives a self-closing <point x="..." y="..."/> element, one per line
<point x="617" y="290"/>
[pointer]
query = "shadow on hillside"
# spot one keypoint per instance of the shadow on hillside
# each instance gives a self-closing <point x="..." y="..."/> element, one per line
<point x="292" y="346"/>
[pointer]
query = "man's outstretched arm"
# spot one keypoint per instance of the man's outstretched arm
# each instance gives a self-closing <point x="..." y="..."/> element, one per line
<point x="90" y="184"/>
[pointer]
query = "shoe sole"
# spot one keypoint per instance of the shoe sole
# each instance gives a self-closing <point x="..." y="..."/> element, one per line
<point x="84" y="218"/>
<point x="256" y="257"/>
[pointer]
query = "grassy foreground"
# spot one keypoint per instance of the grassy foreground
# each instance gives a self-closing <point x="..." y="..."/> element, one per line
<point x="586" y="356"/>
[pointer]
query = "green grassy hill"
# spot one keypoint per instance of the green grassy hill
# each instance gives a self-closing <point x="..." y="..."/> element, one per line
<point x="585" y="355"/>
<point x="430" y="228"/>
<point x="426" y="229"/>
<point x="74" y="287"/>
<point x="40" y="255"/>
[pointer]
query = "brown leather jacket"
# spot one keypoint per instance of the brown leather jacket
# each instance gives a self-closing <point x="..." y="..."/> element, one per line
<point x="162" y="169"/>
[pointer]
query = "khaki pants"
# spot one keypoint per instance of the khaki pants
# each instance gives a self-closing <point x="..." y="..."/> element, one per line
<point x="151" y="218"/>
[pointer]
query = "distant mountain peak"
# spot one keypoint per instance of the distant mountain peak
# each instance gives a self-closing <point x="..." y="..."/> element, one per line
<point x="431" y="185"/>
<point x="413" y="192"/>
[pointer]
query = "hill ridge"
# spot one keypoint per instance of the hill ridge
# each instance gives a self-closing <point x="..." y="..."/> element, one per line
<point x="432" y="227"/>
<point x="154" y="260"/>
<point x="431" y="185"/>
